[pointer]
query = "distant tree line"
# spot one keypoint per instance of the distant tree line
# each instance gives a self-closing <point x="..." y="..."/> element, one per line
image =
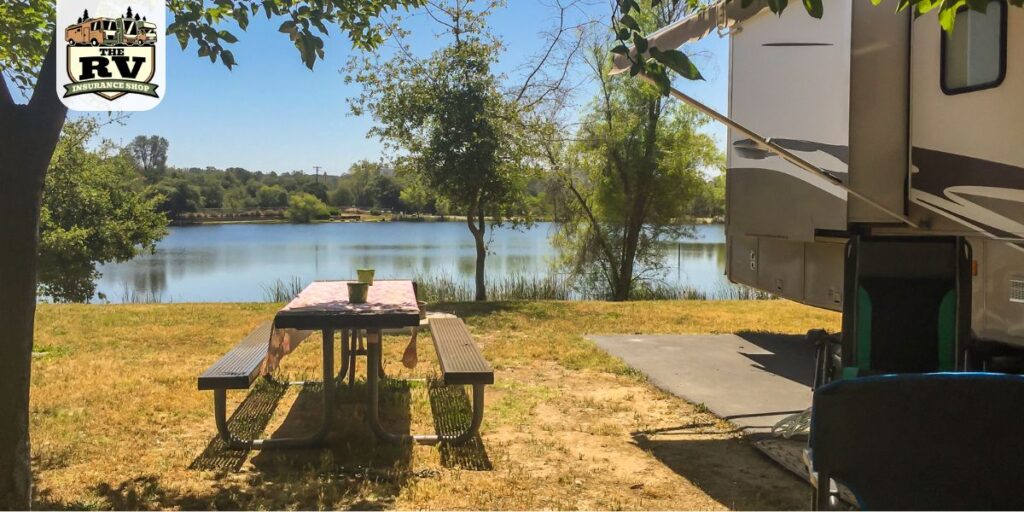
<point x="366" y="185"/>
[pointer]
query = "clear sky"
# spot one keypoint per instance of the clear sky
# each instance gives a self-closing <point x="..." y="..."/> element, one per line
<point x="272" y="114"/>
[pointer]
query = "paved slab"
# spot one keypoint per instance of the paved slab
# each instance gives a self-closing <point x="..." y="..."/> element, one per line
<point x="751" y="379"/>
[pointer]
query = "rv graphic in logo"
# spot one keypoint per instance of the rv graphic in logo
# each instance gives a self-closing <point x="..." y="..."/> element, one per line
<point x="113" y="58"/>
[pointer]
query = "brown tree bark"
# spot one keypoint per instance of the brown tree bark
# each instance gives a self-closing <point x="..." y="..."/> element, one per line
<point x="478" y="226"/>
<point x="28" y="137"/>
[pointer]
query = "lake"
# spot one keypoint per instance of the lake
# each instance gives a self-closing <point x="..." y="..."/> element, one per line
<point x="235" y="262"/>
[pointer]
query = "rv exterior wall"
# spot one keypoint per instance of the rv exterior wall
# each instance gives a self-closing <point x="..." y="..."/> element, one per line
<point x="1000" y="317"/>
<point x="860" y="94"/>
<point x="879" y="103"/>
<point x="979" y="128"/>
<point x="789" y="80"/>
<point x="967" y="168"/>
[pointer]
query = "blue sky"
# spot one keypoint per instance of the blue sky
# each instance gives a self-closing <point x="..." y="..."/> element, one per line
<point x="272" y="114"/>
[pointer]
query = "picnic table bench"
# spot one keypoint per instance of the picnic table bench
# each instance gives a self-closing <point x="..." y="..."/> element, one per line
<point x="461" y="363"/>
<point x="324" y="305"/>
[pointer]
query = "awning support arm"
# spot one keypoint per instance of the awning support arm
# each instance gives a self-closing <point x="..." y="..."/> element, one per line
<point x="778" y="150"/>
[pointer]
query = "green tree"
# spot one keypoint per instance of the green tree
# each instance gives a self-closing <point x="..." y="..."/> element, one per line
<point x="631" y="180"/>
<point x="456" y="132"/>
<point x="212" y="190"/>
<point x="272" y="196"/>
<point x="710" y="200"/>
<point x="341" y="195"/>
<point x="29" y="134"/>
<point x="304" y="208"/>
<point x="418" y="199"/>
<point x="359" y="179"/>
<point x="314" y="188"/>
<point x="90" y="215"/>
<point x="175" y="196"/>
<point x="149" y="155"/>
<point x="386" y="192"/>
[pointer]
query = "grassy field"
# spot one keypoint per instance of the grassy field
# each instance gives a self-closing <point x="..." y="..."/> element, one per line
<point x="117" y="421"/>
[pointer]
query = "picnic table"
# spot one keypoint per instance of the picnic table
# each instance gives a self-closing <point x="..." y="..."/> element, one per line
<point x="325" y="306"/>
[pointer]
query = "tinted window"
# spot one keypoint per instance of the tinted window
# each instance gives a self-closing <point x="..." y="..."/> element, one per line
<point x="974" y="55"/>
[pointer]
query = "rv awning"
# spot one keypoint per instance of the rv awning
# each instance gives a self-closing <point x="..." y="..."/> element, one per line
<point x="723" y="14"/>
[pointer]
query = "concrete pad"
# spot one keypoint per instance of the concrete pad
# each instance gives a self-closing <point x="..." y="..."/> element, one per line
<point x="751" y="379"/>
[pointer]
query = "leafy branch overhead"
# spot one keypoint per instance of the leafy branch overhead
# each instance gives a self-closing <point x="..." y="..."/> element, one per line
<point x="305" y="22"/>
<point x="654" y="62"/>
<point x="27" y="27"/>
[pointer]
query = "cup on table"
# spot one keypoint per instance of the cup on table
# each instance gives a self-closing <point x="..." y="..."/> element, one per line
<point x="357" y="292"/>
<point x="365" y="276"/>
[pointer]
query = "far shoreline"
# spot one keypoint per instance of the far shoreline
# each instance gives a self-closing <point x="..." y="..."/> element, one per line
<point x="700" y="221"/>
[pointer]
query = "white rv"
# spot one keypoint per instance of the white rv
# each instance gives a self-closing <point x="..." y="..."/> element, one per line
<point x="915" y="134"/>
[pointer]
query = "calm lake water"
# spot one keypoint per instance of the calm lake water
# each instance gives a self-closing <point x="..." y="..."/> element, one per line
<point x="234" y="262"/>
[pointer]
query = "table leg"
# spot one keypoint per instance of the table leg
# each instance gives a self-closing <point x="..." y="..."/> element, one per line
<point x="346" y="348"/>
<point x="373" y="364"/>
<point x="220" y="399"/>
<point x="356" y="338"/>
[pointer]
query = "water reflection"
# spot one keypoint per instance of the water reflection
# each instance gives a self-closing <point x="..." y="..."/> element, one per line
<point x="226" y="263"/>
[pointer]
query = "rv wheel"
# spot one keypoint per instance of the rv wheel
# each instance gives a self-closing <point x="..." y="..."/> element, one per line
<point x="139" y="42"/>
<point x="71" y="42"/>
<point x="95" y="42"/>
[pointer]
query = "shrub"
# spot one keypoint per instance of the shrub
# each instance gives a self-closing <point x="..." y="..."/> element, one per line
<point x="304" y="208"/>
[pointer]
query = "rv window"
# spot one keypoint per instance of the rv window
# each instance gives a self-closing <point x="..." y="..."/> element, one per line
<point x="974" y="55"/>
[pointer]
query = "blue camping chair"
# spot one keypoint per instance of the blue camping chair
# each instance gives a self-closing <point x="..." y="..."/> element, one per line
<point x="920" y="441"/>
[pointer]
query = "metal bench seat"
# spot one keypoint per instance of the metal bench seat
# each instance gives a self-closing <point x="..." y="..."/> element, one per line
<point x="461" y="364"/>
<point x="461" y="361"/>
<point x="238" y="369"/>
<point x="241" y="366"/>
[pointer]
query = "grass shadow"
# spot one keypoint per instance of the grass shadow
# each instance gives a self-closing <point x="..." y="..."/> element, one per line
<point x="350" y="439"/>
<point x="467" y="310"/>
<point x="146" y="492"/>
<point x="453" y="413"/>
<point x="351" y="464"/>
<point x="248" y="421"/>
<point x="728" y="470"/>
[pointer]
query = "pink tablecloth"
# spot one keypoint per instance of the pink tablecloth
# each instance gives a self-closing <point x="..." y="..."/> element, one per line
<point x="331" y="298"/>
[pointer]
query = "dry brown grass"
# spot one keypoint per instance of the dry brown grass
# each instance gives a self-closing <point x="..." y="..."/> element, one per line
<point x="117" y="421"/>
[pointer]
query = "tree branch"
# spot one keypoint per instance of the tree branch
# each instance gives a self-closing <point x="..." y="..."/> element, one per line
<point x="45" y="105"/>
<point x="6" y="100"/>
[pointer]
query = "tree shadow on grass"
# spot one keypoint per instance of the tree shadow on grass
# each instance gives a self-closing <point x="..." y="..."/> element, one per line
<point x="353" y="469"/>
<point x="351" y="456"/>
<point x="729" y="470"/>
<point x="453" y="413"/>
<point x="248" y="421"/>
<point x="467" y="310"/>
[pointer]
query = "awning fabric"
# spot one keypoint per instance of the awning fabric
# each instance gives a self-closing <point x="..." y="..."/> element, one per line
<point x="723" y="14"/>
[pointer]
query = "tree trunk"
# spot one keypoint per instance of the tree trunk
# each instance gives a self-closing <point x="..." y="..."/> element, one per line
<point x="477" y="226"/>
<point x="28" y="137"/>
<point x="624" y="283"/>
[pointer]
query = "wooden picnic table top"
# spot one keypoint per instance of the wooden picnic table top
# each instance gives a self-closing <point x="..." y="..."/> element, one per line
<point x="325" y="305"/>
